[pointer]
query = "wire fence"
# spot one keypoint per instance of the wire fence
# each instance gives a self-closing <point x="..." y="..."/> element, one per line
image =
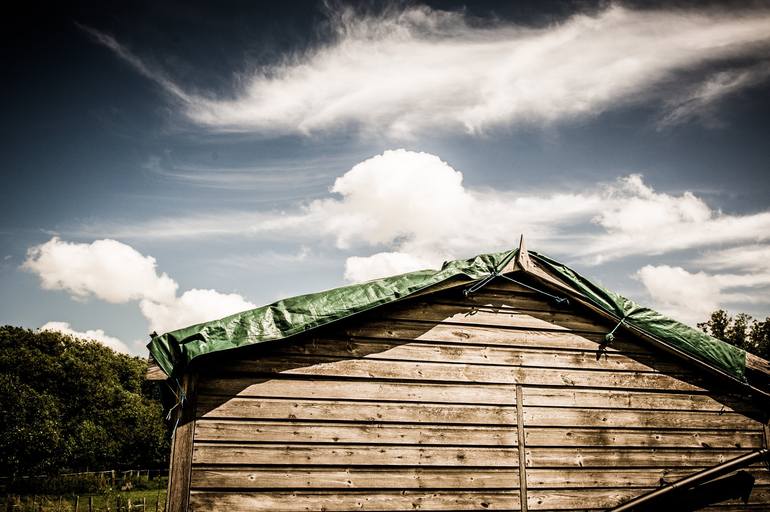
<point x="88" y="491"/>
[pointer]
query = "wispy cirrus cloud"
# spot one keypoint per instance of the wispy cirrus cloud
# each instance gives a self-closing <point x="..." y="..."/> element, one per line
<point x="701" y="101"/>
<point x="412" y="70"/>
<point x="263" y="176"/>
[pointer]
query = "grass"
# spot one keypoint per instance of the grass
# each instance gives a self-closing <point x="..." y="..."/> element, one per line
<point x="109" y="500"/>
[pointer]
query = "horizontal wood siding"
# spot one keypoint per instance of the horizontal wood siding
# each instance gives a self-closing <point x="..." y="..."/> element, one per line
<point x="413" y="407"/>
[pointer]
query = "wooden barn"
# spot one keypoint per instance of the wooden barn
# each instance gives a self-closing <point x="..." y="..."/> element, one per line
<point x="504" y="382"/>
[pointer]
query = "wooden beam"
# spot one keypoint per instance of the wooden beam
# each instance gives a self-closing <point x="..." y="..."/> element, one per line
<point x="154" y="372"/>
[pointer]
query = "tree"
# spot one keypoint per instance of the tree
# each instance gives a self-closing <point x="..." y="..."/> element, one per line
<point x="67" y="403"/>
<point x="742" y="330"/>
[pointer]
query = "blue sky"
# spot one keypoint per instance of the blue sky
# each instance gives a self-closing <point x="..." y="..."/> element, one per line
<point x="169" y="164"/>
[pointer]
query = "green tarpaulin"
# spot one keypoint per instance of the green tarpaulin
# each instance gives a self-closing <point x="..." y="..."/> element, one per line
<point x="173" y="351"/>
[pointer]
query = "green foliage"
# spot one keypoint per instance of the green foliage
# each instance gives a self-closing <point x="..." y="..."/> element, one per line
<point x="740" y="330"/>
<point x="74" y="404"/>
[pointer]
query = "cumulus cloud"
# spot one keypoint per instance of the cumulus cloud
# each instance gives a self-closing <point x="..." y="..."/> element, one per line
<point x="416" y="205"/>
<point x="117" y="273"/>
<point x="107" y="269"/>
<point x="691" y="296"/>
<point x="418" y="69"/>
<point x="192" y="307"/>
<point x="93" y="334"/>
<point x="383" y="264"/>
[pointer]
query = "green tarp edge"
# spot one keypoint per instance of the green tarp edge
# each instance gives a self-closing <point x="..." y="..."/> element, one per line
<point x="175" y="350"/>
<point x="717" y="353"/>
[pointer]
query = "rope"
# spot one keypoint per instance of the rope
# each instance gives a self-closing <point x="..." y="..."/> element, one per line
<point x="559" y="301"/>
<point x="181" y="398"/>
<point x="610" y="336"/>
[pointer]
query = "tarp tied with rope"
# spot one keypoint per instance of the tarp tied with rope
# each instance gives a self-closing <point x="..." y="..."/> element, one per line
<point x="175" y="350"/>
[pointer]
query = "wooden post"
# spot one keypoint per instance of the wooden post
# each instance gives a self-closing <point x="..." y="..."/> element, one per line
<point x="90" y="504"/>
<point x="77" y="503"/>
<point x="178" y="495"/>
<point x="522" y="447"/>
<point x="144" y="503"/>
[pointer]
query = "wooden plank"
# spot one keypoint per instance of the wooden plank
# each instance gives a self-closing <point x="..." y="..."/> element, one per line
<point x="342" y="433"/>
<point x="491" y="316"/>
<point x="294" y="387"/>
<point x="622" y="399"/>
<point x="609" y="477"/>
<point x="475" y="354"/>
<point x="581" y="499"/>
<point x="521" y="439"/>
<point x="617" y="457"/>
<point x="449" y="333"/>
<point x="269" y="408"/>
<point x="447" y="372"/>
<point x="602" y="499"/>
<point x="358" y="455"/>
<point x="353" y="478"/>
<point x="334" y="502"/>
<point x="638" y="438"/>
<point x="517" y="301"/>
<point x="621" y="418"/>
<point x="178" y="490"/>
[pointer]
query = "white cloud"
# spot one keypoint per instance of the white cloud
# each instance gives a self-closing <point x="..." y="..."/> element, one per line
<point x="107" y="269"/>
<point x="691" y="297"/>
<point x="417" y="206"/>
<point x="746" y="257"/>
<point x="638" y="220"/>
<point x="92" y="334"/>
<point x="115" y="272"/>
<point x="418" y="69"/>
<point x="192" y="307"/>
<point x="384" y="264"/>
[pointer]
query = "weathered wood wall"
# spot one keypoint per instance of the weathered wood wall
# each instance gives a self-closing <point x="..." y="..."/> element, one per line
<point x="415" y="407"/>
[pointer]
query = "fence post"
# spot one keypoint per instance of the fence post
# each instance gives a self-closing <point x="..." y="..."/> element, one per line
<point x="77" y="503"/>
<point x="90" y="504"/>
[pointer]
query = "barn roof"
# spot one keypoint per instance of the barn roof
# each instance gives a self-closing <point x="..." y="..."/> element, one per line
<point x="174" y="350"/>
